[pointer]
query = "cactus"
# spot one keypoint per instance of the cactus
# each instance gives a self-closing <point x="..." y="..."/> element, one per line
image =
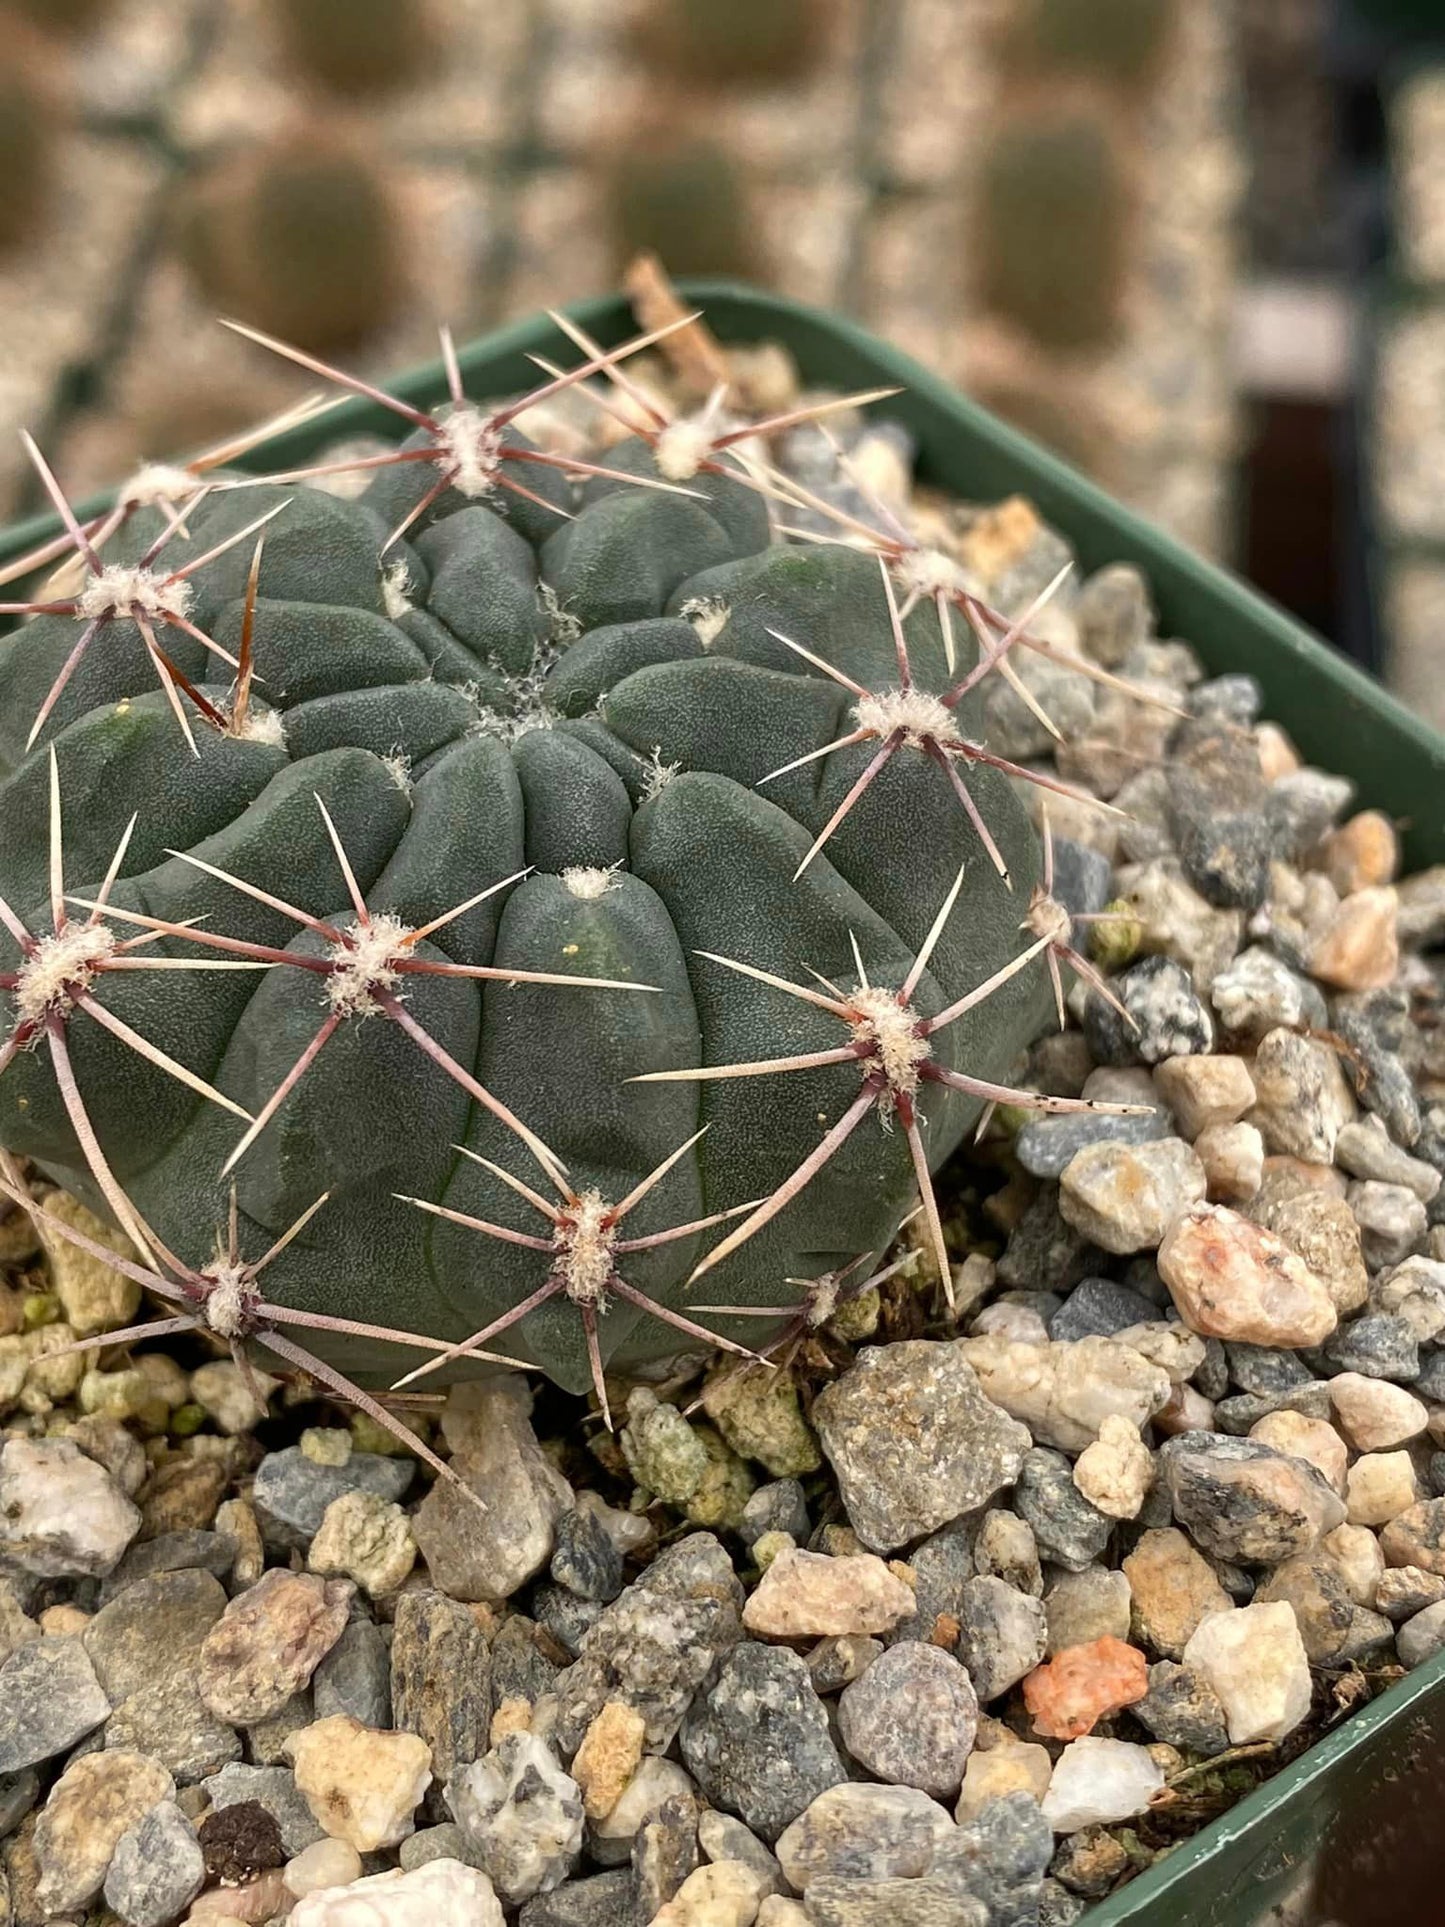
<point x="756" y="42"/>
<point x="66" y="16"/>
<point x="354" y="46"/>
<point x="588" y="894"/>
<point x="28" y="132"/>
<point x="299" y="237"/>
<point x="1121" y="41"/>
<point x="1050" y="228"/>
<point x="683" y="197"/>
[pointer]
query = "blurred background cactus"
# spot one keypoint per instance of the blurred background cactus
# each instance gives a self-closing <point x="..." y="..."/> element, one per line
<point x="299" y="237"/>
<point x="1122" y="41"/>
<point x="355" y="46"/>
<point x="683" y="197"/>
<point x="757" y="42"/>
<point x="30" y="108"/>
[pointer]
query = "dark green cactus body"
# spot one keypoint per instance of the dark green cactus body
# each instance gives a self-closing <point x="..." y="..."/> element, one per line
<point x="458" y="732"/>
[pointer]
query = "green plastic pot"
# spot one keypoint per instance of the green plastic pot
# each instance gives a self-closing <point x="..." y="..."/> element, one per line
<point x="1357" y="1811"/>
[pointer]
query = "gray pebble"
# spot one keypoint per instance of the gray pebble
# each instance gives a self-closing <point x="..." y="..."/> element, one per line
<point x="1235" y="699"/>
<point x="835" y="1663"/>
<point x="1182" y="1709"/>
<point x="757" y="1742"/>
<point x="520" y="1669"/>
<point x="1098" y="1307"/>
<point x="157" y="1869"/>
<point x="1263" y="1370"/>
<point x="584" y="1559"/>
<point x="891" y="1903"/>
<point x="441" y="1684"/>
<point x="602" y="1900"/>
<point x="565" y="1615"/>
<point x="170" y="1552"/>
<point x="999" y="1858"/>
<point x="1170" y="1019"/>
<point x="153" y="1630"/>
<point x="1058" y="1907"/>
<point x="293" y="1491"/>
<point x="169" y="1721"/>
<point x="1003" y="1636"/>
<point x="942" y="1566"/>
<point x="1365" y="1150"/>
<point x="1243" y="1501"/>
<point x="1258" y="992"/>
<point x="1083" y="878"/>
<point x="1378" y="1345"/>
<point x="1081" y="1607"/>
<point x="1046" y="1145"/>
<point x="779" y="1506"/>
<point x="1044" y="1249"/>
<point x="1069" y="1530"/>
<point x="1304" y="805"/>
<point x="50" y="1698"/>
<point x="355" y="1677"/>
<point x="912" y="1718"/>
<point x="275" y="1788"/>
<point x="664" y="1853"/>
<point x="721" y="1837"/>
<point x="1376" y="1024"/>
<point x="266" y="1739"/>
<point x="1422" y="1637"/>
<point x="444" y="1842"/>
<point x="1392" y="1221"/>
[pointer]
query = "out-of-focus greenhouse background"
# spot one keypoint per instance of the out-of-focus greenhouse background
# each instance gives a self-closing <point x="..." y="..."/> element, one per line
<point x="1196" y="245"/>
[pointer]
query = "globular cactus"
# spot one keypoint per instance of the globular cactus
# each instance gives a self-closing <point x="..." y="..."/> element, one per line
<point x="29" y="134"/>
<point x="760" y="42"/>
<point x="66" y="16"/>
<point x="682" y="196"/>
<point x="586" y="892"/>
<point x="354" y="46"/>
<point x="300" y="237"/>
<point x="1050" y="226"/>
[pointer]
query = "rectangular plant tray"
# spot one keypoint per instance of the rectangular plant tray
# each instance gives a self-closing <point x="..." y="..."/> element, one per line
<point x="1360" y="1807"/>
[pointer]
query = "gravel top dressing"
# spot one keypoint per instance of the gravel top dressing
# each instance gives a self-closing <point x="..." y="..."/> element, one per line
<point x="954" y="1606"/>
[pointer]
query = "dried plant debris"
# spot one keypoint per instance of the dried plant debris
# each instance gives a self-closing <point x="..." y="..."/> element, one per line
<point x="956" y="1108"/>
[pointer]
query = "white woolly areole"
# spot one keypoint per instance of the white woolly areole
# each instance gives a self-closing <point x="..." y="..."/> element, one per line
<point x="921" y="717"/>
<point x="708" y="615"/>
<point x="157" y="482"/>
<point x="588" y="1241"/>
<point x="58" y="967"/>
<point x="119" y="590"/>
<point x="471" y="446"/>
<point x="656" y="775"/>
<point x="395" y="581"/>
<point x="822" y="1300"/>
<point x="231" y="1302"/>
<point x="892" y="1030"/>
<point x="366" y="960"/>
<point x="1047" y="917"/>
<point x="261" y="726"/>
<point x="929" y="572"/>
<point x="681" y="449"/>
<point x="398" y="767"/>
<point x="589" y="884"/>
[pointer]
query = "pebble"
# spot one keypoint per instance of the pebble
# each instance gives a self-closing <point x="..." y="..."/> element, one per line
<point x="225" y="1396"/>
<point x="273" y="1788"/>
<point x="1064" y="1392"/>
<point x="61" y="1516"/>
<point x="585" y="1558"/>
<point x="522" y="1816"/>
<point x="366" y="1539"/>
<point x="1255" y="1660"/>
<point x="1233" y="1159"/>
<point x="361" y="1785"/>
<point x="355" y="1677"/>
<point x="1069" y="1695"/>
<point x="836" y="1663"/>
<point x="476" y="1555"/>
<point x="1182" y="1709"/>
<point x="1375" y="1415"/>
<point x="1115" y="1472"/>
<point x="1069" y="1531"/>
<point x="1379" y="1345"/>
<point x="1046" y="1146"/>
<point x="50" y="1698"/>
<point x="1006" y="1548"/>
<point x="153" y="1630"/>
<point x="609" y="1755"/>
<point x="776" y="1910"/>
<point x="194" y="1550"/>
<point x="329" y="1863"/>
<point x="1099" y="1782"/>
<point x="911" y="1719"/>
<point x="441" y="1685"/>
<point x="1330" y="1622"/>
<point x="1356" y="1551"/>
<point x="268" y="1642"/>
<point x="1100" y="1308"/>
<point x="1304" y="1097"/>
<point x="758" y="1743"/>
<point x="1169" y="1020"/>
<point x="1258" y="992"/>
<point x="1205" y="1092"/>
<point x="1365" y="1150"/>
<point x="294" y="1490"/>
<point x="914" y="1441"/>
<point x="1379" y="1487"/>
<point x="1322" y="1233"/>
<point x="759" y="1415"/>
<point x="664" y="1853"/>
<point x="1392" y="1220"/>
<point x="97" y="1799"/>
<point x="778" y="1507"/>
<point x="805" y="1595"/>
<point x="1305" y="1438"/>
<point x="1359" y="948"/>
<point x="157" y="1869"/>
<point x="724" y="1894"/>
<point x="664" y="1453"/>
<point x="443" y="1893"/>
<point x="1416" y="1537"/>
<point x="1232" y="1279"/>
<point x="1015" y="1767"/>
<point x="1002" y="1636"/>
<point x="1124" y="1197"/>
<point x="94" y="1296"/>
<point x="1422" y="1637"/>
<point x="1245" y="1502"/>
<point x="1080" y="1606"/>
<point x="1403" y="1591"/>
<point x="721" y="1837"/>
<point x="656" y="1783"/>
<point x="656" y="1643"/>
<point x="862" y="1831"/>
<point x="1173" y="1589"/>
<point x="238" y="1527"/>
<point x="444" y="1842"/>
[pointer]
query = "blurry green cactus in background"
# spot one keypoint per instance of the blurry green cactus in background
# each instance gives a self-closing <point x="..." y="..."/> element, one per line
<point x="683" y="197"/>
<point x="1115" y="40"/>
<point x="355" y="46"/>
<point x="759" y="42"/>
<point x="29" y="137"/>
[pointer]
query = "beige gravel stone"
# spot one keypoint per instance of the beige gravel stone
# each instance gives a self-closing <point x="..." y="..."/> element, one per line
<point x="1255" y="1660"/>
<point x="609" y="1755"/>
<point x="1232" y="1279"/>
<point x="1233" y="1160"/>
<point x="1305" y="1438"/>
<point x="1380" y="1487"/>
<point x="362" y="1785"/>
<point x="1174" y="1589"/>
<point x="1205" y="1091"/>
<point x="1374" y="1414"/>
<point x="807" y="1595"/>
<point x="1116" y="1471"/>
